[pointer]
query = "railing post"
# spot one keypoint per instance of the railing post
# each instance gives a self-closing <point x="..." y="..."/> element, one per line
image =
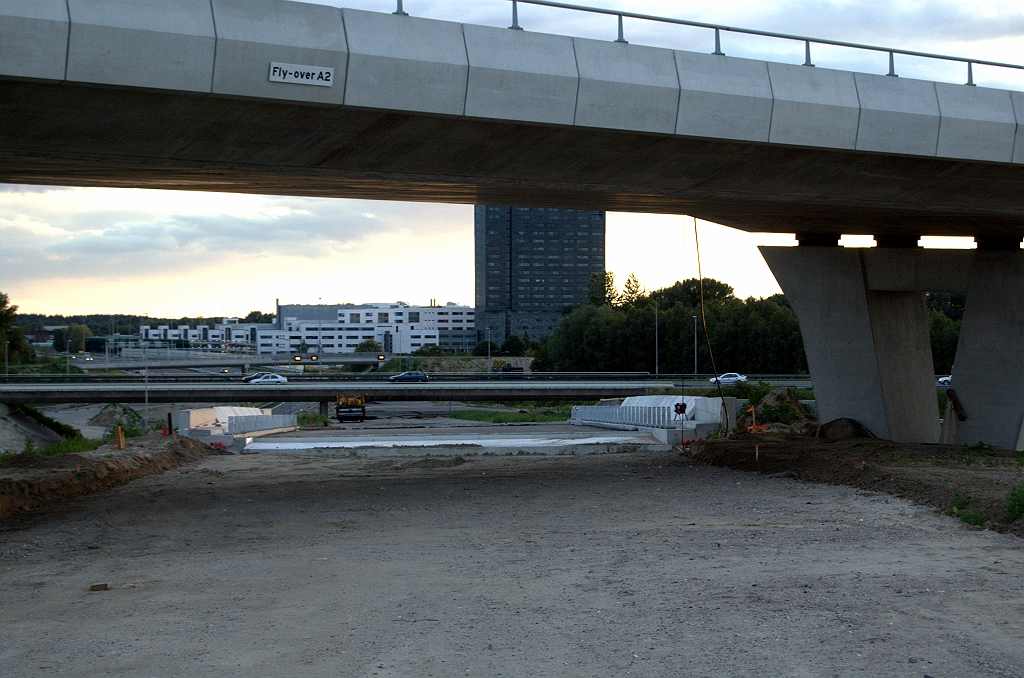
<point x="621" y="38"/>
<point x="807" y="53"/>
<point x="400" y="11"/>
<point x="515" y="17"/>
<point x="892" y="66"/>
<point x="718" y="43"/>
<point x="970" y="74"/>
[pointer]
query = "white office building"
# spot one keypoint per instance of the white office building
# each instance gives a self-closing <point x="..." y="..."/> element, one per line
<point x="334" y="328"/>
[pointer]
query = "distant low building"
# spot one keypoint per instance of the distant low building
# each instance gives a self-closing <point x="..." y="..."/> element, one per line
<point x="333" y="328"/>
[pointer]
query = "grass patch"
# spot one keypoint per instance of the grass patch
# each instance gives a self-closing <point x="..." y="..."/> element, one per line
<point x="531" y="405"/>
<point x="70" y="446"/>
<point x="312" y="419"/>
<point x="510" y="417"/>
<point x="960" y="506"/>
<point x="1014" y="503"/>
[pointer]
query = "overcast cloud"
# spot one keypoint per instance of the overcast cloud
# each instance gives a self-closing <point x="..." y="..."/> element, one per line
<point x="171" y="253"/>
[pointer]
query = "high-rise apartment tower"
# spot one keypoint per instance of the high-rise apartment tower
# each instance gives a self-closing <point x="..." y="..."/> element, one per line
<point x="530" y="264"/>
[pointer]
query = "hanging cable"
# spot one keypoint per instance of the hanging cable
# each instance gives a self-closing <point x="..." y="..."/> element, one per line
<point x="704" y="320"/>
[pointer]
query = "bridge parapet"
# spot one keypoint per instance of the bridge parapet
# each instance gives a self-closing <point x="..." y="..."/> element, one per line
<point x="403" y="63"/>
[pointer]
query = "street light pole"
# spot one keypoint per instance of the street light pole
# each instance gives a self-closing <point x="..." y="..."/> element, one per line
<point x="488" y="350"/>
<point x="145" y="371"/>
<point x="695" y="347"/>
<point x="655" y="338"/>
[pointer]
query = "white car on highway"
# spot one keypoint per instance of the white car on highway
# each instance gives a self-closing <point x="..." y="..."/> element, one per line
<point x="727" y="379"/>
<point x="269" y="378"/>
<point x="944" y="381"/>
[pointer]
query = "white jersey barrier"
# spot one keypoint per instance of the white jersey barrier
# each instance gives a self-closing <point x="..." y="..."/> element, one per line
<point x="659" y="412"/>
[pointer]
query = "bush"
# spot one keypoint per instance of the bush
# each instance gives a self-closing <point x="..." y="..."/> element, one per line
<point x="958" y="507"/>
<point x="312" y="419"/>
<point x="52" y="424"/>
<point x="1015" y="503"/>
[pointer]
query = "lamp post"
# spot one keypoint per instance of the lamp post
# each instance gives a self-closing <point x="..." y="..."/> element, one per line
<point x="694" y="347"/>
<point x="488" y="350"/>
<point x="655" y="338"/>
<point x="145" y="372"/>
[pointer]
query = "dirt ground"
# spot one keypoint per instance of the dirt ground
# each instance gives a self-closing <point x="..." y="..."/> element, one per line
<point x="643" y="564"/>
<point x="927" y="474"/>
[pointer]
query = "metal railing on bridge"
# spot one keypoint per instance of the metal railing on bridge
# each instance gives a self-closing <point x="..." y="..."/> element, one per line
<point x="720" y="28"/>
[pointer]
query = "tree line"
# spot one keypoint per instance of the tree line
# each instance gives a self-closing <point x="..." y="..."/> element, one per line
<point x="615" y="331"/>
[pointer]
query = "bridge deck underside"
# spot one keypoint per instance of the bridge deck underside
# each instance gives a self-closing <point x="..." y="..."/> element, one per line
<point x="76" y="135"/>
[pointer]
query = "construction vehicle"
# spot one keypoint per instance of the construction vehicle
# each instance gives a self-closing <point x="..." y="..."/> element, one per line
<point x="350" y="407"/>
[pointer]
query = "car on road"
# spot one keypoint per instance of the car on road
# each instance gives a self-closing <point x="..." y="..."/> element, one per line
<point x="256" y="375"/>
<point x="727" y="379"/>
<point x="944" y="381"/>
<point x="269" y="378"/>
<point x="412" y="375"/>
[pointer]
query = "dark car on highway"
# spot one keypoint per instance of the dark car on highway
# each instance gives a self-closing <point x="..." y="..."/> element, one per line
<point x="414" y="375"/>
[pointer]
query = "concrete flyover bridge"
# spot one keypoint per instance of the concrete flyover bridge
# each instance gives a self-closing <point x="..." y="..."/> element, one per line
<point x="267" y="96"/>
<point x="135" y="392"/>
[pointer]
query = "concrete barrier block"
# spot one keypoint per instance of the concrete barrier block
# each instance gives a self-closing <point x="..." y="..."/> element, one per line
<point x="813" y="106"/>
<point x="625" y="86"/>
<point x="405" y="63"/>
<point x="1017" y="98"/>
<point x="519" y="75"/>
<point x="897" y="115"/>
<point x="252" y="34"/>
<point x="978" y="123"/>
<point x="139" y="43"/>
<point x="33" y="38"/>
<point x="723" y="97"/>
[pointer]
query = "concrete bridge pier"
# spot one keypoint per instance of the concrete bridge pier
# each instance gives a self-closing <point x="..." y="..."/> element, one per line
<point x="988" y="376"/>
<point x="868" y="350"/>
<point x="865" y="329"/>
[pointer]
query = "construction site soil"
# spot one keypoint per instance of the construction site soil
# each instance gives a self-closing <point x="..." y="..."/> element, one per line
<point x="927" y="474"/>
<point x="650" y="564"/>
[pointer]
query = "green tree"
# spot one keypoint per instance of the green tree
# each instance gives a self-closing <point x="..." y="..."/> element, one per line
<point x="601" y="291"/>
<point x="513" y="346"/>
<point x="369" y="346"/>
<point x="481" y="348"/>
<point x="258" y="317"/>
<point x="631" y="291"/>
<point x="60" y="339"/>
<point x="945" y="335"/>
<point x="77" y="334"/>
<point x="12" y="336"/>
<point x="429" y="350"/>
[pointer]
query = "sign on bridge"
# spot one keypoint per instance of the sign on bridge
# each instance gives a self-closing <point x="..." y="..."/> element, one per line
<point x="302" y="75"/>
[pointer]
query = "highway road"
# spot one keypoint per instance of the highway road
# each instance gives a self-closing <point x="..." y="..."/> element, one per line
<point x="136" y="392"/>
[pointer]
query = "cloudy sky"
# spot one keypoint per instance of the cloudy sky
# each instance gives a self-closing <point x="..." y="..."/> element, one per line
<point x="161" y="253"/>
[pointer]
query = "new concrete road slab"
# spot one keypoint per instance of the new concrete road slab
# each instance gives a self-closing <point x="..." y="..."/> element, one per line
<point x="446" y="442"/>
